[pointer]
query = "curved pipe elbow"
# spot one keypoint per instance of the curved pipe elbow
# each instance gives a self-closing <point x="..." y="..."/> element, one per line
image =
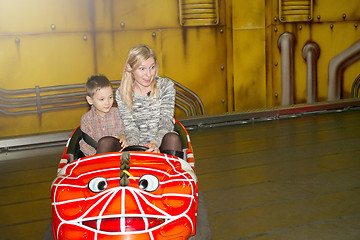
<point x="311" y="53"/>
<point x="337" y="65"/>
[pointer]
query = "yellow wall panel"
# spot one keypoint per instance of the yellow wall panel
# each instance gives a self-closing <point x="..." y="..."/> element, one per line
<point x="249" y="54"/>
<point x="140" y="14"/>
<point x="249" y="69"/>
<point x="37" y="16"/>
<point x="193" y="57"/>
<point x="45" y="60"/>
<point x="333" y="10"/>
<point x="33" y="124"/>
<point x="112" y="49"/>
<point x="248" y="14"/>
<point x="272" y="69"/>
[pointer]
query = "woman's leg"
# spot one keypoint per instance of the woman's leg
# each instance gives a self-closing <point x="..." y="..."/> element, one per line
<point x="108" y="144"/>
<point x="171" y="144"/>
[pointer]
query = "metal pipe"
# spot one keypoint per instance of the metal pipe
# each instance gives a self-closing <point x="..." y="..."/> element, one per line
<point x="286" y="44"/>
<point x="184" y="109"/>
<point x="185" y="103"/>
<point x="311" y="53"/>
<point x="74" y="94"/>
<point x="193" y="103"/>
<point x="192" y="94"/>
<point x="337" y="65"/>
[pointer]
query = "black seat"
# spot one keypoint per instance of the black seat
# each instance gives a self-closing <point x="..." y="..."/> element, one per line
<point x="179" y="129"/>
<point x="73" y="150"/>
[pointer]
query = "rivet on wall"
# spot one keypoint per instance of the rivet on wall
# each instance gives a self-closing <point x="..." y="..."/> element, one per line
<point x="222" y="67"/>
<point x="300" y="27"/>
<point x="221" y="30"/>
<point x="122" y="24"/>
<point x="275" y="29"/>
<point x="17" y="40"/>
<point x="53" y="26"/>
<point x="318" y="17"/>
<point x="355" y="25"/>
<point x="276" y="63"/>
<point x="85" y="37"/>
<point x="331" y="26"/>
<point x="275" y="19"/>
<point x="344" y="16"/>
<point x="154" y="34"/>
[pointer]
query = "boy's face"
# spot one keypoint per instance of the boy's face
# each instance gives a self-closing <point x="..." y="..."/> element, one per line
<point x="102" y="100"/>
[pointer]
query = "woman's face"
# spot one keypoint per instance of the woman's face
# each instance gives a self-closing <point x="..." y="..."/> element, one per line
<point x="145" y="73"/>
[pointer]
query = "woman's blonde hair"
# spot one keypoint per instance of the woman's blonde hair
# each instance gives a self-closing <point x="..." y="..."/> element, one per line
<point x="136" y="56"/>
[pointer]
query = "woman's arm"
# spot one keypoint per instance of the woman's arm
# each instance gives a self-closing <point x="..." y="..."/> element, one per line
<point x="167" y="105"/>
<point x="131" y="131"/>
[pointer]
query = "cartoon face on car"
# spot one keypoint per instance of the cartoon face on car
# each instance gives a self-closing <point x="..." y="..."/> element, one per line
<point x="151" y="196"/>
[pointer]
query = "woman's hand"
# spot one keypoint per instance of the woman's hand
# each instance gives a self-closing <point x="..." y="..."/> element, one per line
<point x="152" y="147"/>
<point x="122" y="141"/>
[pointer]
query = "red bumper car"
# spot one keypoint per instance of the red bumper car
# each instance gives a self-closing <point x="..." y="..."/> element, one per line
<point x="125" y="195"/>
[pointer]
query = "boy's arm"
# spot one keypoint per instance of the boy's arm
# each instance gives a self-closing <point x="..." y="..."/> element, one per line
<point x="87" y="128"/>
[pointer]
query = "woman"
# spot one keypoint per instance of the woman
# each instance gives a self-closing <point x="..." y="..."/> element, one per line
<point x="146" y="103"/>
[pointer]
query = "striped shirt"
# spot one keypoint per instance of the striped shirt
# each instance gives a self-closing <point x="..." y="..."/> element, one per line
<point x="97" y="127"/>
<point x="149" y="121"/>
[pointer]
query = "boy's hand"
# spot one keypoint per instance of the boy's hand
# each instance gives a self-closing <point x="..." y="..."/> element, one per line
<point x="152" y="147"/>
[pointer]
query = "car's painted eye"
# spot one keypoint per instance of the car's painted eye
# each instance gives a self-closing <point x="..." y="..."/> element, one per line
<point x="97" y="184"/>
<point x="149" y="183"/>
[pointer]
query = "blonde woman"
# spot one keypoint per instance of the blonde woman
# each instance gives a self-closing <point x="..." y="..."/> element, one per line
<point x="146" y="103"/>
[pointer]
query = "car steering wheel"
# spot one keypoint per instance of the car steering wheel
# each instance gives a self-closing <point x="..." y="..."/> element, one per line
<point x="138" y="148"/>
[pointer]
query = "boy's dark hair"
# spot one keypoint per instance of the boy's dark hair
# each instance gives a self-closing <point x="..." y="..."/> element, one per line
<point x="95" y="83"/>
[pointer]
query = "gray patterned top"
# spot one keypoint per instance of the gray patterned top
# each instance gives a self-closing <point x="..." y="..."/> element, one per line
<point x="149" y="121"/>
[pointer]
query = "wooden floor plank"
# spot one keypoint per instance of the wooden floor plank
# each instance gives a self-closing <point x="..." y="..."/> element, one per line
<point x="349" y="227"/>
<point x="19" y="178"/>
<point x="30" y="230"/>
<point x="263" y="220"/>
<point x="25" y="193"/>
<point x="289" y="189"/>
<point x="14" y="214"/>
<point x="271" y="172"/>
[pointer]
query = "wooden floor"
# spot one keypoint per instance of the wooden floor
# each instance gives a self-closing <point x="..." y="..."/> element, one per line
<point x="296" y="178"/>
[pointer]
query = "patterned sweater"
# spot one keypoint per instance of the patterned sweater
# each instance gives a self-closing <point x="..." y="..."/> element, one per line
<point x="97" y="127"/>
<point x="149" y="121"/>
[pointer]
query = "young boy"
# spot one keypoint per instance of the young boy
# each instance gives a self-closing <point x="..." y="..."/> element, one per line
<point x="102" y="122"/>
